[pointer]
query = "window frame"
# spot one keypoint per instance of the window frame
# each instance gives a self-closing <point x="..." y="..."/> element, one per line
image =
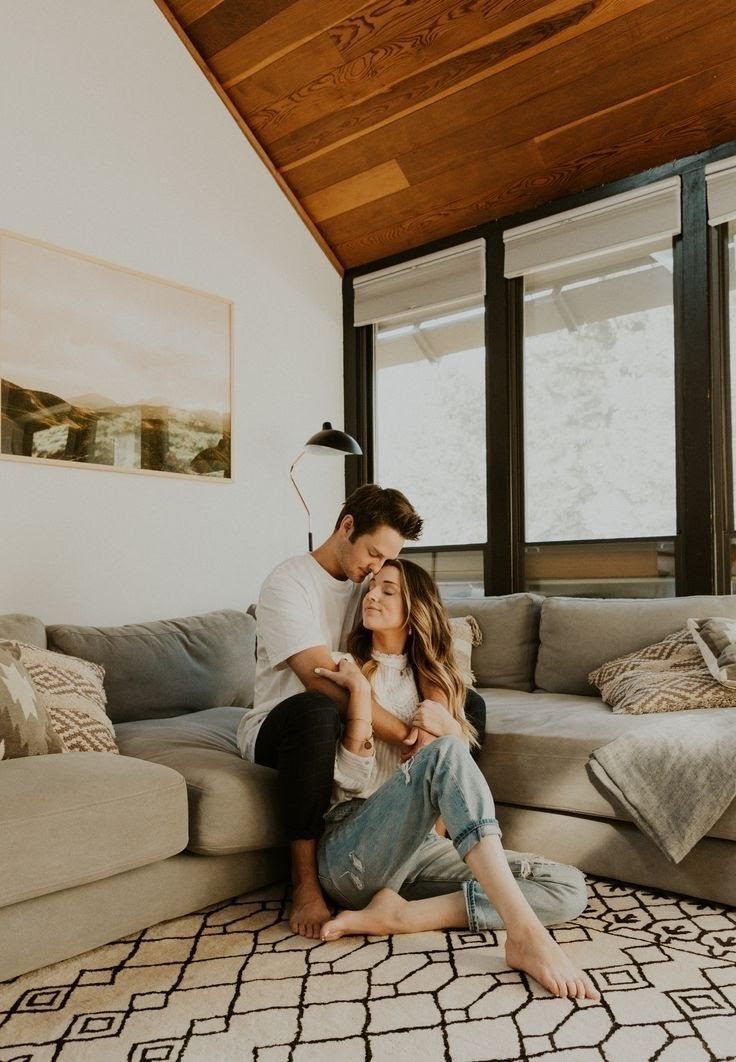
<point x="704" y="485"/>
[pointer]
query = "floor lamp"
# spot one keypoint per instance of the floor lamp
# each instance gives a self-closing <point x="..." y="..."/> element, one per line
<point x="326" y="443"/>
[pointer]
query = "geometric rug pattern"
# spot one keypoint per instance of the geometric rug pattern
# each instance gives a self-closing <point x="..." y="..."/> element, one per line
<point x="232" y="983"/>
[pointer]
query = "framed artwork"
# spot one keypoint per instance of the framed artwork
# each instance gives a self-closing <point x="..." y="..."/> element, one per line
<point x="107" y="368"/>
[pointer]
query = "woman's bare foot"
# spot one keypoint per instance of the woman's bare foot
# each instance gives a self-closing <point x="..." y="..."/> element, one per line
<point x="309" y="912"/>
<point x="386" y="913"/>
<point x="535" y="952"/>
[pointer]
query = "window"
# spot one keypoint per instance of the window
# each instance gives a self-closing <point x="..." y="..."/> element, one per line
<point x="430" y="421"/>
<point x="721" y="191"/>
<point x="732" y="343"/>
<point x="599" y="401"/>
<point x="591" y="424"/>
<point x="598" y="395"/>
<point x="427" y="319"/>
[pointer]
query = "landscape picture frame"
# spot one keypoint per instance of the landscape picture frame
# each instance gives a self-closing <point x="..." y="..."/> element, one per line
<point x="106" y="367"/>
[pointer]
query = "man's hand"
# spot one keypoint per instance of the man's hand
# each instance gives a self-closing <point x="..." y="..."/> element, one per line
<point x="435" y="719"/>
<point x="415" y="741"/>
<point x="348" y="675"/>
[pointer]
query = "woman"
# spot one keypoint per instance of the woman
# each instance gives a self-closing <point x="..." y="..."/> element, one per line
<point x="380" y="856"/>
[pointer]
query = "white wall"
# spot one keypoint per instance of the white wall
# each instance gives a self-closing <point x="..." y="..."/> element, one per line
<point x="114" y="145"/>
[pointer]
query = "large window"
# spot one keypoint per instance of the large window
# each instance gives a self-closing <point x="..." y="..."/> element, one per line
<point x="430" y="421"/>
<point x="732" y="337"/>
<point x="564" y="427"/>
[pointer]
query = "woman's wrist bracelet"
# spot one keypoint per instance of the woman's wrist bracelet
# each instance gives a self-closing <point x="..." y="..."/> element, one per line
<point x="366" y="741"/>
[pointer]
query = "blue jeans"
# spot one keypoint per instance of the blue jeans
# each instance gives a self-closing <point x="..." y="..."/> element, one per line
<point x="388" y="841"/>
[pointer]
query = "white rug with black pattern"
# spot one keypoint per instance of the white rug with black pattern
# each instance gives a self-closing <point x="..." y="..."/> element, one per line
<point x="233" y="983"/>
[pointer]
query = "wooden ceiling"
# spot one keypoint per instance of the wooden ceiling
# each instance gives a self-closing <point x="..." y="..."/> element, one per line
<point x="395" y="122"/>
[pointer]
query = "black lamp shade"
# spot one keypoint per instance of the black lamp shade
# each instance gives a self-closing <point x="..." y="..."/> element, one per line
<point x="332" y="439"/>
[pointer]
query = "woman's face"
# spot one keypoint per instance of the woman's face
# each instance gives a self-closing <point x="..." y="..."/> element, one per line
<point x="383" y="604"/>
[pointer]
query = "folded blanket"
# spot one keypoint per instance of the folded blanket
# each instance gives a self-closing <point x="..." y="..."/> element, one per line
<point x="675" y="778"/>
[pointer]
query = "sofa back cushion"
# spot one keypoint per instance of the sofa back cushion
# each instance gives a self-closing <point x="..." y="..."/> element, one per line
<point x="168" y="667"/>
<point x="577" y="634"/>
<point x="510" y="627"/>
<point x="15" y="627"/>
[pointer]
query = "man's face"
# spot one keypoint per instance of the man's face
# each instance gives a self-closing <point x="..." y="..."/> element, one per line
<point x="366" y="555"/>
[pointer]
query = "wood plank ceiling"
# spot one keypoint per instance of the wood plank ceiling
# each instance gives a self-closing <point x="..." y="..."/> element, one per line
<point x="395" y="122"/>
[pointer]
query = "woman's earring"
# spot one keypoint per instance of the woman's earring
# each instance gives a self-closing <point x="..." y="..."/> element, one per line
<point x="410" y="632"/>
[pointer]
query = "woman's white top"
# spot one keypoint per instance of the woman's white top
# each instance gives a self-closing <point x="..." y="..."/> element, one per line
<point x="395" y="690"/>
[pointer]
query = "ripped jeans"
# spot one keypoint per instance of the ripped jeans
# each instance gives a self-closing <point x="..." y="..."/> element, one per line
<point x="388" y="841"/>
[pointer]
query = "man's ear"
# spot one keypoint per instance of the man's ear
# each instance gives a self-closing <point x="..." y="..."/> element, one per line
<point x="346" y="526"/>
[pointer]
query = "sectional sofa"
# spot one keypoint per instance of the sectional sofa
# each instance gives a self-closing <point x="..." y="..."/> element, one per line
<point x="96" y="846"/>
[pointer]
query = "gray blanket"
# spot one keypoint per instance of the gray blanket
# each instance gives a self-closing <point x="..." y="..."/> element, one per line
<point x="674" y="778"/>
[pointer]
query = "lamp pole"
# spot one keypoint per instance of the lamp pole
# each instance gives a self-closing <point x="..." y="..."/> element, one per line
<point x="328" y="442"/>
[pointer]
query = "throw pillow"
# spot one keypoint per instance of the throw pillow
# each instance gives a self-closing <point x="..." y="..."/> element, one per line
<point x="25" y="728"/>
<point x="716" y="640"/>
<point x="72" y="693"/>
<point x="669" y="676"/>
<point x="465" y="634"/>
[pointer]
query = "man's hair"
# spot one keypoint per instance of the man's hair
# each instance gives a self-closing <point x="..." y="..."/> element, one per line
<point x="371" y="506"/>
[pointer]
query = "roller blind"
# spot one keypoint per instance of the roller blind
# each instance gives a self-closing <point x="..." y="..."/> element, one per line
<point x="720" y="179"/>
<point x="632" y="220"/>
<point x="433" y="284"/>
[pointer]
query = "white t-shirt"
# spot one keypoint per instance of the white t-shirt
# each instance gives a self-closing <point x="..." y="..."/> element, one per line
<point x="300" y="606"/>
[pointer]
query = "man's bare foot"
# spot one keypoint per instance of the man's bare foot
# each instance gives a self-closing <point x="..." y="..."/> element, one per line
<point x="535" y="952"/>
<point x="386" y="913"/>
<point x="309" y="912"/>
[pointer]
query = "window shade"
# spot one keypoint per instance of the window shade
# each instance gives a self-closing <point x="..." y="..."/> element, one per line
<point x="439" y="282"/>
<point x="720" y="179"/>
<point x="631" y="220"/>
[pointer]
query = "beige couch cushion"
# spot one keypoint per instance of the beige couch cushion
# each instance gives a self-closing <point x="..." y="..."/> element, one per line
<point x="510" y="629"/>
<point x="66" y="820"/>
<point x="577" y="635"/>
<point x="537" y="746"/>
<point x="233" y="805"/>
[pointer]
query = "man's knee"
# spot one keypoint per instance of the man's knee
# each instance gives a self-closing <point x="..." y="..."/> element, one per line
<point x="314" y="713"/>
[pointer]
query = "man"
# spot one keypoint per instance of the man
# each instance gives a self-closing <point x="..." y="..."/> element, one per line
<point x="307" y="607"/>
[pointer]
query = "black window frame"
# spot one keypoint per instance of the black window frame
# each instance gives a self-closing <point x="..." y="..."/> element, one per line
<point x="702" y="408"/>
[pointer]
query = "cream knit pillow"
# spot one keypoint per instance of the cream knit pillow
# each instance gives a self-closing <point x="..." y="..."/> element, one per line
<point x="668" y="676"/>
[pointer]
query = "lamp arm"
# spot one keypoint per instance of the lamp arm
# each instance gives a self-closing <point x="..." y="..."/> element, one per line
<point x="301" y="496"/>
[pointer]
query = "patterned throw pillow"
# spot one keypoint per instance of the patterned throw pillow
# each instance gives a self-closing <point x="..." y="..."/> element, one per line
<point x="72" y="693"/>
<point x="716" y="640"/>
<point x="465" y="634"/>
<point x="25" y="728"/>
<point x="669" y="676"/>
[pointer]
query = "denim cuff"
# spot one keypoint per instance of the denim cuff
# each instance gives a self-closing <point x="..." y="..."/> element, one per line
<point x="470" y="893"/>
<point x="473" y="833"/>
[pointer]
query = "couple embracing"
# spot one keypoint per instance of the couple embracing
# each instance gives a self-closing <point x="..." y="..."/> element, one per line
<point x="360" y="707"/>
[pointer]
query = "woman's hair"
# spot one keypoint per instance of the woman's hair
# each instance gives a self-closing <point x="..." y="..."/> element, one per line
<point x="429" y="643"/>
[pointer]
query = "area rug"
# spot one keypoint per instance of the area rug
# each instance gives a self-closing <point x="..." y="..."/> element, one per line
<point x="233" y="983"/>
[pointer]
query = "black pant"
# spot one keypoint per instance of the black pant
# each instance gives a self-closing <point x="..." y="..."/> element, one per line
<point x="298" y="738"/>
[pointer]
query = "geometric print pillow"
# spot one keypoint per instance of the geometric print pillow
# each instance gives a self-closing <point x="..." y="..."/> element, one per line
<point x="669" y="676"/>
<point x="716" y="640"/>
<point x="25" y="728"/>
<point x="71" y="691"/>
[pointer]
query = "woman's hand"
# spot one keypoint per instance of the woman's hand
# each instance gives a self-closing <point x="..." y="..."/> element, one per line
<point x="348" y="675"/>
<point x="435" y="719"/>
